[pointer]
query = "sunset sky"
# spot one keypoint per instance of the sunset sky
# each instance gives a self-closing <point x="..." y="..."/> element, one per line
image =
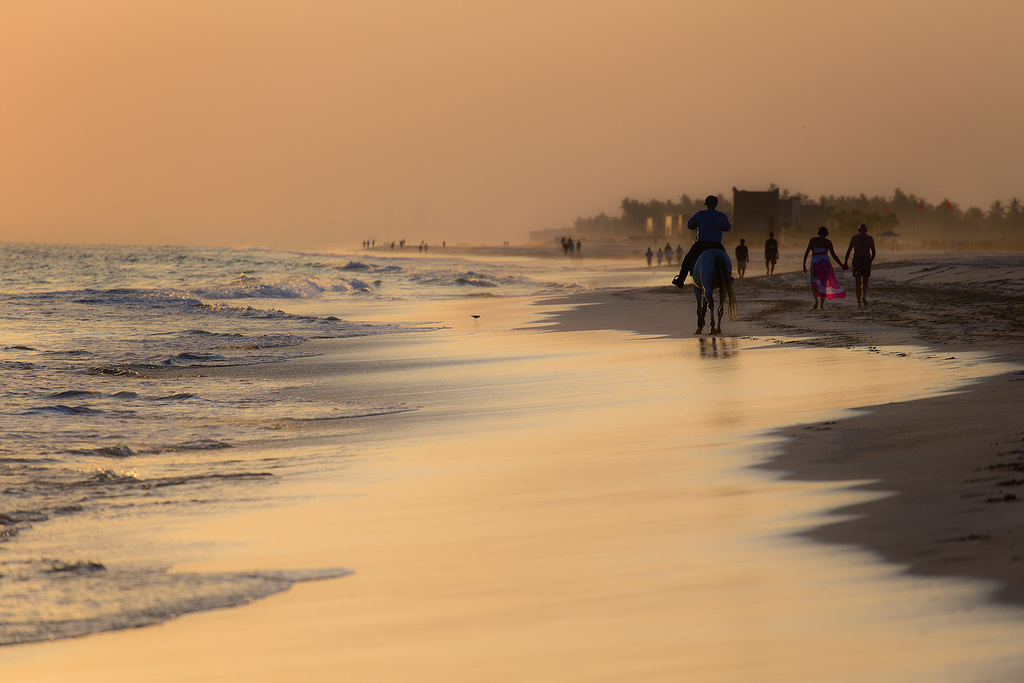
<point x="320" y="123"/>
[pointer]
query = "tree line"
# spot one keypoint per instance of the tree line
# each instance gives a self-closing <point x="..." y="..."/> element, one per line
<point x="1002" y="222"/>
<point x="902" y="209"/>
<point x="635" y="214"/>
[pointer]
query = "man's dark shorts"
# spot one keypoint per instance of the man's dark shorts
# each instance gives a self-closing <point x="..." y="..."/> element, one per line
<point x="861" y="266"/>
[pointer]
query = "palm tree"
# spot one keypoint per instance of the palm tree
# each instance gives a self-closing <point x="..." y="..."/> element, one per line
<point x="996" y="215"/>
<point x="1015" y="213"/>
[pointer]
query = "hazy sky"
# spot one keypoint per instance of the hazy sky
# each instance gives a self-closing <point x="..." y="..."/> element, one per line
<point x="320" y="123"/>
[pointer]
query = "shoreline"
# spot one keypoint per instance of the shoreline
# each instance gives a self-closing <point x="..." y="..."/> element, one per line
<point x="950" y="466"/>
<point x="565" y="549"/>
<point x="951" y="469"/>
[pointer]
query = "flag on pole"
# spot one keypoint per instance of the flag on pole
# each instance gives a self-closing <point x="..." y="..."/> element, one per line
<point x="949" y="207"/>
<point x="919" y="205"/>
<point x="887" y="211"/>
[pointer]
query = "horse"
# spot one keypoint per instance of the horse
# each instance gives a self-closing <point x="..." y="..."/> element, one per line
<point x="712" y="270"/>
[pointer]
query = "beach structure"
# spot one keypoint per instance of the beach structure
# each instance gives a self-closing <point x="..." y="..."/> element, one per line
<point x="761" y="212"/>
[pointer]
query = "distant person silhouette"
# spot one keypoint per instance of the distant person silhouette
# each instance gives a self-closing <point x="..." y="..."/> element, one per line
<point x="650" y="256"/>
<point x="863" y="247"/>
<point x="771" y="253"/>
<point x="742" y="256"/>
<point x="709" y="224"/>
<point x="824" y="284"/>
<point x="668" y="253"/>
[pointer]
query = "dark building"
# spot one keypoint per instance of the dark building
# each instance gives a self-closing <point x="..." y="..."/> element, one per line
<point x="759" y="213"/>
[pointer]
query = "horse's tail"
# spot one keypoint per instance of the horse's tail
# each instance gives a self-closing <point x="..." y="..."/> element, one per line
<point x="725" y="284"/>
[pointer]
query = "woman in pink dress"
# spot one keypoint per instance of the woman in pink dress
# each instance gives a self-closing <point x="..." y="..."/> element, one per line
<point x="824" y="284"/>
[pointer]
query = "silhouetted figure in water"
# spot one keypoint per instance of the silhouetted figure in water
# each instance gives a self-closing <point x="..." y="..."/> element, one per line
<point x="742" y="256"/>
<point x="709" y="224"/>
<point x="771" y="253"/>
<point x="863" y="247"/>
<point x="824" y="284"/>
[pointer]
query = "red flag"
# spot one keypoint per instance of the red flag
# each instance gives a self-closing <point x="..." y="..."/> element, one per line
<point x="919" y="206"/>
<point x="949" y="207"/>
<point x="887" y="211"/>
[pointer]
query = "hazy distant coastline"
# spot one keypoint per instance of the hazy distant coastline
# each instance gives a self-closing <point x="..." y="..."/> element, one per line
<point x="908" y="219"/>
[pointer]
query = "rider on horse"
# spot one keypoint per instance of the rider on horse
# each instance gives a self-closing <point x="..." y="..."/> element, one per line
<point x="709" y="224"/>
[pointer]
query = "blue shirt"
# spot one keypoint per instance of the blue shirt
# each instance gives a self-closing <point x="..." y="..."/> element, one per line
<point x="709" y="224"/>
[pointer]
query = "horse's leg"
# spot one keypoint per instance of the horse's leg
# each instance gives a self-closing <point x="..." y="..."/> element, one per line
<point x="701" y="309"/>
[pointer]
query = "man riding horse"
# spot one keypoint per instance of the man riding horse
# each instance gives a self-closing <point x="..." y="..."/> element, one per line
<point x="709" y="265"/>
<point x="709" y="224"/>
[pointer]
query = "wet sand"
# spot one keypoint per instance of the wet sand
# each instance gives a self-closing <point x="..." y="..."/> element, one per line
<point x="954" y="464"/>
<point x="471" y="568"/>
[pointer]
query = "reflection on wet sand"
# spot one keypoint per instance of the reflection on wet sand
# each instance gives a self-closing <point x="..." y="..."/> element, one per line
<point x="717" y="347"/>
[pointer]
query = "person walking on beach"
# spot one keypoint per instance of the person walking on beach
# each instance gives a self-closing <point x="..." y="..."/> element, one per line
<point x="709" y="224"/>
<point x="742" y="256"/>
<point x="824" y="284"/>
<point x="771" y="253"/>
<point x="863" y="247"/>
<point x="650" y="256"/>
<point x="661" y="255"/>
<point x="668" y="253"/>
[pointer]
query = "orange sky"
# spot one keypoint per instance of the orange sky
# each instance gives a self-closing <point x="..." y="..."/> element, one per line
<point x="320" y="123"/>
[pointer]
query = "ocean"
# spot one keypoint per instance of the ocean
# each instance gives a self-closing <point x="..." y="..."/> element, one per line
<point x="103" y="354"/>
<point x="605" y="477"/>
<point x="102" y="351"/>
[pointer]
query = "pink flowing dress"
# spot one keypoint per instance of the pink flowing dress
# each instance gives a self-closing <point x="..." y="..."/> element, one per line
<point x="823" y="277"/>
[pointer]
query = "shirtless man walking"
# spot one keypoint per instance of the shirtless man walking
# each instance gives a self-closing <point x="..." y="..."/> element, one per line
<point x="771" y="253"/>
<point x="863" y="247"/>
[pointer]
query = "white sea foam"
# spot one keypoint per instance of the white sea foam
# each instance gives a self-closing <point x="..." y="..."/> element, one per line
<point x="105" y="361"/>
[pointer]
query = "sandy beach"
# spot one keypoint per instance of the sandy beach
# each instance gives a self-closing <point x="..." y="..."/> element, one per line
<point x="532" y="520"/>
<point x="338" y="342"/>
<point x="955" y="460"/>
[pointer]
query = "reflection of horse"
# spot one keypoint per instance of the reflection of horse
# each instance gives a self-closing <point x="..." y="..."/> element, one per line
<point x="718" y="347"/>
<point x="713" y="270"/>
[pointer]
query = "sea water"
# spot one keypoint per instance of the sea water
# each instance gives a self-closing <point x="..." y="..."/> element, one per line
<point x="104" y="352"/>
<point x="130" y="402"/>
